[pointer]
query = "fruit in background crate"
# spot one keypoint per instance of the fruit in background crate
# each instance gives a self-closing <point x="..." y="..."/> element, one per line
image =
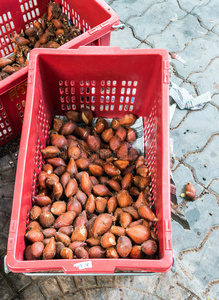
<point x="92" y="202"/>
<point x="6" y="65"/>
<point x="52" y="30"/>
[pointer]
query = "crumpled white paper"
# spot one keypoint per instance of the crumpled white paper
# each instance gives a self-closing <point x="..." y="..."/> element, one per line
<point x="185" y="100"/>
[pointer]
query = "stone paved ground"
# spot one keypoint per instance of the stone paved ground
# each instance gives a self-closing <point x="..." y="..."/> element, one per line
<point x="189" y="28"/>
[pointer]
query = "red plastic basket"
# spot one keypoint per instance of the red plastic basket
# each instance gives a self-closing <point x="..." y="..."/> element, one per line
<point x="94" y="17"/>
<point x="111" y="82"/>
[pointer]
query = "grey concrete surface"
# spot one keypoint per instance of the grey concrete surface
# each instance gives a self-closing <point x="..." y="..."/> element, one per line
<point x="189" y="28"/>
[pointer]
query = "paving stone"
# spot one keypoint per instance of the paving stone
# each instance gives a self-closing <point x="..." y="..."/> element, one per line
<point x="213" y="292"/>
<point x="6" y="190"/>
<point x="127" y="8"/>
<point x="145" y="283"/>
<point x="152" y="22"/>
<point x="4" y="163"/>
<point x="215" y="100"/>
<point x="37" y="278"/>
<point x="114" y="293"/>
<point x="96" y="293"/>
<point x="67" y="283"/>
<point x="85" y="281"/>
<point x="207" y="13"/>
<point x="163" y="285"/>
<point x="2" y="266"/>
<point x="50" y="287"/>
<point x="129" y="294"/>
<point x="215" y="29"/>
<point x="178" y="116"/>
<point x="124" y="39"/>
<point x="14" y="156"/>
<point x="6" y="227"/>
<point x="19" y="280"/>
<point x="190" y="5"/>
<point x="215" y="186"/>
<point x="208" y="79"/>
<point x="105" y="280"/>
<point x="123" y="281"/>
<point x="108" y="1"/>
<point x="77" y="296"/>
<point x="197" y="214"/>
<point x="182" y="239"/>
<point x="202" y="214"/>
<point x="195" y="130"/>
<point x="8" y="175"/>
<point x="175" y="164"/>
<point x="189" y="87"/>
<point x="182" y="278"/>
<point x="172" y="74"/>
<point x="178" y="34"/>
<point x="33" y="293"/>
<point x="206" y="163"/>
<point x="173" y="78"/>
<point x="177" y="293"/>
<point x="3" y="220"/>
<point x="144" y="46"/>
<point x="192" y="297"/>
<point x="181" y="177"/>
<point x="200" y="262"/>
<point x="6" y="292"/>
<point x="151" y="297"/>
<point x="198" y="54"/>
<point x="6" y="205"/>
<point x="3" y="244"/>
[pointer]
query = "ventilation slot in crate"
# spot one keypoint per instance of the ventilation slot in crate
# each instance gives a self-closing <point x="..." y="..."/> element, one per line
<point x="7" y="32"/>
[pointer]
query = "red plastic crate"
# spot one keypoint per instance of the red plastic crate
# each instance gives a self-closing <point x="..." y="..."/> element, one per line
<point x="111" y="82"/>
<point x="94" y="17"/>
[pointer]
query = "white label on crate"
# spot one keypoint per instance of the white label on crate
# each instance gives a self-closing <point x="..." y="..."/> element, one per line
<point x="83" y="265"/>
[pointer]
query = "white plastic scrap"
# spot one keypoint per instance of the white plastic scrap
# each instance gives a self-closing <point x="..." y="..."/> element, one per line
<point x="185" y="100"/>
<point x="177" y="57"/>
<point x="175" y="18"/>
